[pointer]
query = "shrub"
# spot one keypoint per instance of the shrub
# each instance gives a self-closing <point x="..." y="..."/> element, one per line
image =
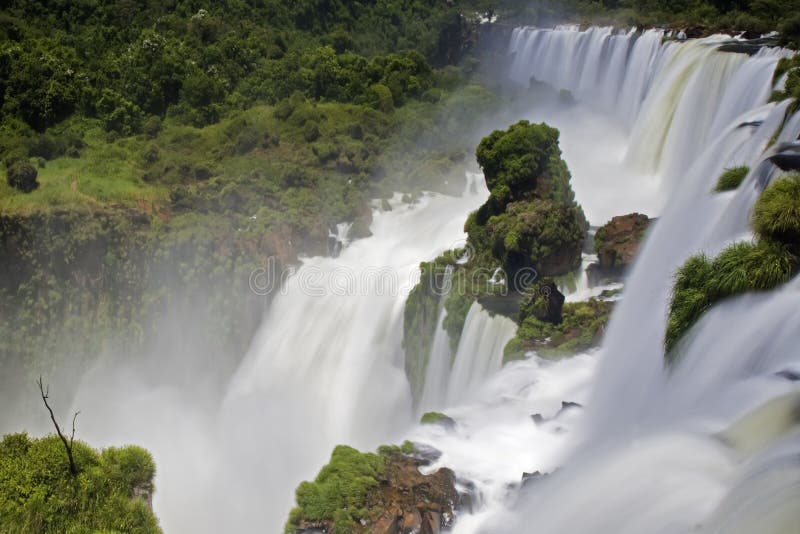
<point x="380" y="97"/>
<point x="22" y="175"/>
<point x="39" y="494"/>
<point x="152" y="126"/>
<point x="119" y="114"/>
<point x="776" y="214"/>
<point x="731" y="178"/>
<point x="310" y="132"/>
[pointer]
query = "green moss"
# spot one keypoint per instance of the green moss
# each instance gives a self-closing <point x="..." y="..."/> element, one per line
<point x="580" y="329"/>
<point x="731" y="178"/>
<point x="339" y="493"/>
<point x="434" y="418"/>
<point x="38" y="493"/>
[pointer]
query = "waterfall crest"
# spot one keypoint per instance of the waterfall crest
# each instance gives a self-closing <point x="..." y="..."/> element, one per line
<point x="658" y="90"/>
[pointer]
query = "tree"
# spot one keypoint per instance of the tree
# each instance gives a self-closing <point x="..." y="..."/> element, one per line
<point x="45" y="392"/>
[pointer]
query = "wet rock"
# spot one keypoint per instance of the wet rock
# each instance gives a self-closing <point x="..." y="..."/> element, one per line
<point x="432" y="523"/>
<point x="616" y="244"/>
<point x="568" y="406"/>
<point x="528" y="478"/>
<point x="789" y="374"/>
<point x="468" y="497"/>
<point x="387" y="524"/>
<point x="537" y="418"/>
<point x="426" y="454"/>
<point x="411" y="522"/>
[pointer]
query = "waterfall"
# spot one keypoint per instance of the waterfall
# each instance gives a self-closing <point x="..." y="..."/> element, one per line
<point x="710" y="445"/>
<point x="437" y="374"/>
<point x="653" y="451"/>
<point x="658" y="90"/>
<point x="480" y="351"/>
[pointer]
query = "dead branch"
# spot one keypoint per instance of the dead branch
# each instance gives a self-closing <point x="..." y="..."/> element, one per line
<point x="45" y="391"/>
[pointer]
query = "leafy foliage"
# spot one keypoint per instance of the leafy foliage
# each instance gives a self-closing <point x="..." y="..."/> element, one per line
<point x="38" y="494"/>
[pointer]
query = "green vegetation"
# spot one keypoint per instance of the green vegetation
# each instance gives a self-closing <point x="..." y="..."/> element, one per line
<point x="436" y="418"/>
<point x="580" y="329"/>
<point x="157" y="155"/>
<point x="340" y="490"/>
<point x="776" y="216"/>
<point x="339" y="494"/>
<point x="531" y="219"/>
<point x="38" y="494"/>
<point x="743" y="267"/>
<point x="789" y="67"/>
<point x="731" y="178"/>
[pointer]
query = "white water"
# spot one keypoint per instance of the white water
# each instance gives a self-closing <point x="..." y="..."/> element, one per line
<point x="655" y="106"/>
<point x="645" y="456"/>
<point x="327" y="368"/>
<point x="480" y="352"/>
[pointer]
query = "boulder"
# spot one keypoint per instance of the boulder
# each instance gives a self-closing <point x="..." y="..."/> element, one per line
<point x="616" y="244"/>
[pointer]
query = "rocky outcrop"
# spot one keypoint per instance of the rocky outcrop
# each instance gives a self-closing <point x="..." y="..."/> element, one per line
<point x="545" y="304"/>
<point x="616" y="244"/>
<point x="382" y="493"/>
<point x="412" y="502"/>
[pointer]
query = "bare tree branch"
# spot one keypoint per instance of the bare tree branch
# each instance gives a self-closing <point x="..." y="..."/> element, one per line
<point x="45" y="391"/>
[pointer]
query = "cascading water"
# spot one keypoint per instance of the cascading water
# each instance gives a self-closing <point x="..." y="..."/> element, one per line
<point x="644" y="456"/>
<point x="659" y="91"/>
<point x="653" y="451"/>
<point x="480" y="351"/>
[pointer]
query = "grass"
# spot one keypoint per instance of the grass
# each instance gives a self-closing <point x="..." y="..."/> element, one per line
<point x="777" y="213"/>
<point x="731" y="179"/>
<point x="769" y="261"/>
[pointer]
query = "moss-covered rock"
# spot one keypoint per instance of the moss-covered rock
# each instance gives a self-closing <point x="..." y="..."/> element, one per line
<point x="581" y="328"/>
<point x="112" y="490"/>
<point x="731" y="178"/>
<point x="531" y="220"/>
<point x="365" y="492"/>
<point x="437" y="418"/>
